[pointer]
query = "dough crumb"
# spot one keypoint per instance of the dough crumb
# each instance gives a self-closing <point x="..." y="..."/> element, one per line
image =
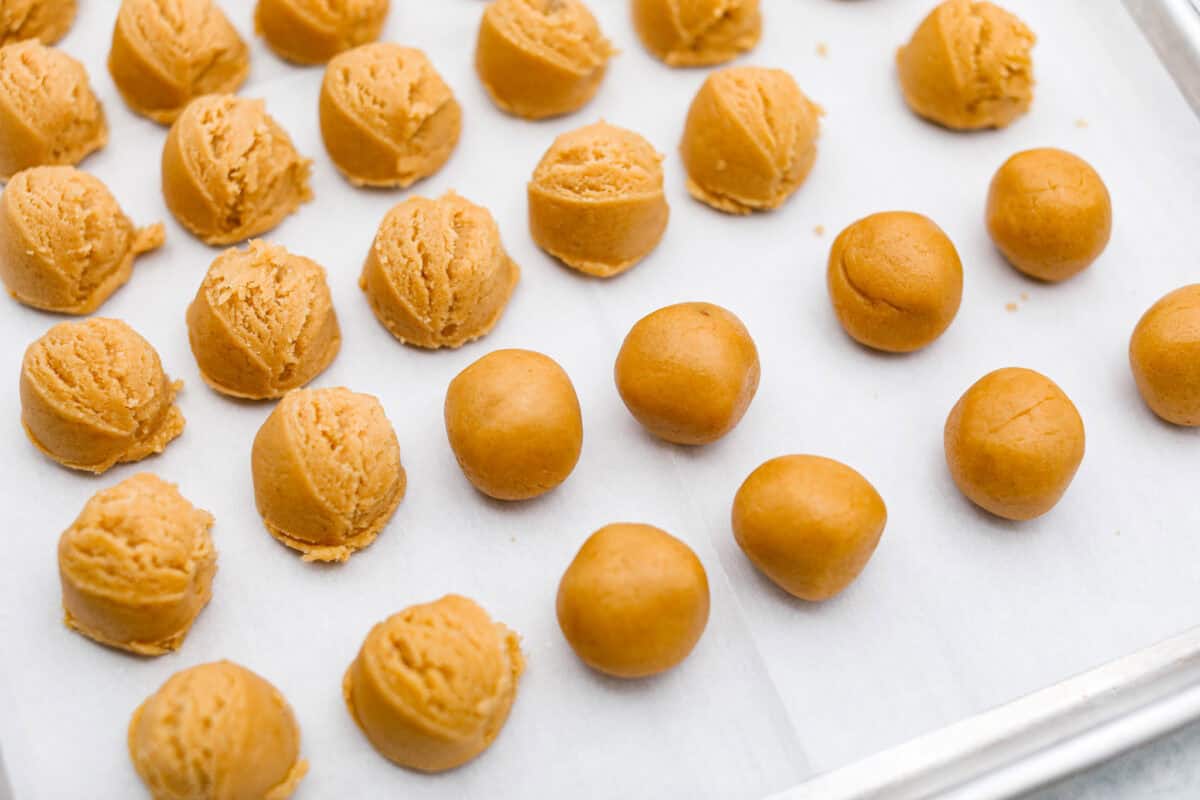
<point x="1024" y="296"/>
<point x="1081" y="123"/>
<point x="822" y="50"/>
<point x="819" y="230"/>
<point x="1011" y="307"/>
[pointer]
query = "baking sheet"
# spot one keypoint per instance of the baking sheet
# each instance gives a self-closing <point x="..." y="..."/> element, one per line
<point x="957" y="612"/>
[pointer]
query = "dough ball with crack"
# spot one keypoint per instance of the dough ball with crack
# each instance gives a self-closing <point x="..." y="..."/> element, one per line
<point x="44" y="20"/>
<point x="1164" y="353"/>
<point x="314" y="31"/>
<point x="697" y="33"/>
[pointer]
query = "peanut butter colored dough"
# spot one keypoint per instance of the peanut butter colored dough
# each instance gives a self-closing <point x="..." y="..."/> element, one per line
<point x="437" y="274"/>
<point x="514" y="424"/>
<point x="1049" y="213"/>
<point x="697" y="33"/>
<point x="387" y="117"/>
<point x="895" y="280"/>
<point x="262" y="322"/>
<point x="216" y="732"/>
<point x="94" y="394"/>
<point x="165" y="53"/>
<point x="968" y="66"/>
<point x="1013" y="443"/>
<point x="44" y="20"/>
<point x="541" y="58"/>
<point x="327" y="472"/>
<point x="314" y="31"/>
<point x="48" y="113"/>
<point x="432" y="686"/>
<point x="634" y="601"/>
<point x="1164" y="353"/>
<point x="688" y="372"/>
<point x="750" y="139"/>
<point x="137" y="566"/>
<point x="596" y="199"/>
<point x="65" y="244"/>
<point x="810" y="524"/>
<point x="229" y="171"/>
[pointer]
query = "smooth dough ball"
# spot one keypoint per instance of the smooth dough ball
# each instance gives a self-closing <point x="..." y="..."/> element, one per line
<point x="437" y="274"/>
<point x="1165" y="356"/>
<point x="48" y="113"/>
<point x="327" y="472"/>
<point x="229" y="171"/>
<point x="634" y="601"/>
<point x="94" y="394"/>
<point x="1013" y="443"/>
<point x="810" y="524"/>
<point x="895" y="280"/>
<point x="750" y="139"/>
<point x="262" y="322"/>
<point x="44" y="20"/>
<point x="216" y="731"/>
<point x="688" y="372"/>
<point x="314" y="31"/>
<point x="968" y="66"/>
<point x="387" y="117"/>
<point x="432" y="685"/>
<point x="137" y="566"/>
<point x="65" y="244"/>
<point x="596" y="199"/>
<point x="697" y="33"/>
<point x="540" y="58"/>
<point x="1049" y="213"/>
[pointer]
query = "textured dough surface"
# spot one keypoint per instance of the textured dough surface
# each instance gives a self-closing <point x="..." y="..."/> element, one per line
<point x="44" y="20"/>
<point x="314" y="31"/>
<point x="696" y="33"/>
<point x="1164" y="353"/>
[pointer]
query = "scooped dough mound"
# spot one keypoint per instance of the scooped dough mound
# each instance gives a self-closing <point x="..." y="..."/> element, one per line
<point x="1164" y="353"/>
<point x="44" y="20"/>
<point x="314" y="31"/>
<point x="697" y="33"/>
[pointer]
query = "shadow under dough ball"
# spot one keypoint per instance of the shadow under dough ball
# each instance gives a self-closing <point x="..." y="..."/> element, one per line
<point x="314" y="31"/>
<point x="44" y="20"/>
<point x="1164" y="353"/>
<point x="697" y="33"/>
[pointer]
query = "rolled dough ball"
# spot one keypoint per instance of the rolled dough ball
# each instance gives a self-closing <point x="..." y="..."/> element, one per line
<point x="688" y="372"/>
<point x="514" y="424"/>
<point x="437" y="274"/>
<point x="596" y="199"/>
<point x="432" y="685"/>
<point x="387" y="117"/>
<point x="1013" y="443"/>
<point x="634" y="601"/>
<point x="262" y="322"/>
<point x="44" y="20"/>
<point x="1165" y="356"/>
<point x="697" y="33"/>
<point x="1049" y="213"/>
<point x="65" y="244"/>
<point x="810" y="524"/>
<point x="327" y="472"/>
<point x="94" y="394"/>
<point x="137" y="566"/>
<point x="540" y="58"/>
<point x="216" y="731"/>
<point x="750" y="139"/>
<point x="48" y="113"/>
<point x="895" y="280"/>
<point x="314" y="31"/>
<point x="968" y="66"/>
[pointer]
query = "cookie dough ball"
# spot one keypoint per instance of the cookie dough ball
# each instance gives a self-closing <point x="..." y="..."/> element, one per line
<point x="387" y="117"/>
<point x="65" y="244"/>
<point x="327" y="473"/>
<point x="895" y="280"/>
<point x="1013" y="443"/>
<point x="810" y="524"/>
<point x="1049" y="213"/>
<point x="540" y="58"/>
<point x="596" y="199"/>
<point x="688" y="372"/>
<point x="229" y="171"/>
<point x="634" y="602"/>
<point x="432" y="685"/>
<point x="1165" y="356"/>
<point x="44" y="20"/>
<point x="514" y="424"/>
<point x="750" y="139"/>
<point x="94" y="394"/>
<point x="968" y="66"/>
<point x="48" y="113"/>
<point x="216" y="731"/>
<point x="314" y="31"/>
<point x="697" y="33"/>
<point x="262" y="322"/>
<point x="437" y="274"/>
<point x="137" y="566"/>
